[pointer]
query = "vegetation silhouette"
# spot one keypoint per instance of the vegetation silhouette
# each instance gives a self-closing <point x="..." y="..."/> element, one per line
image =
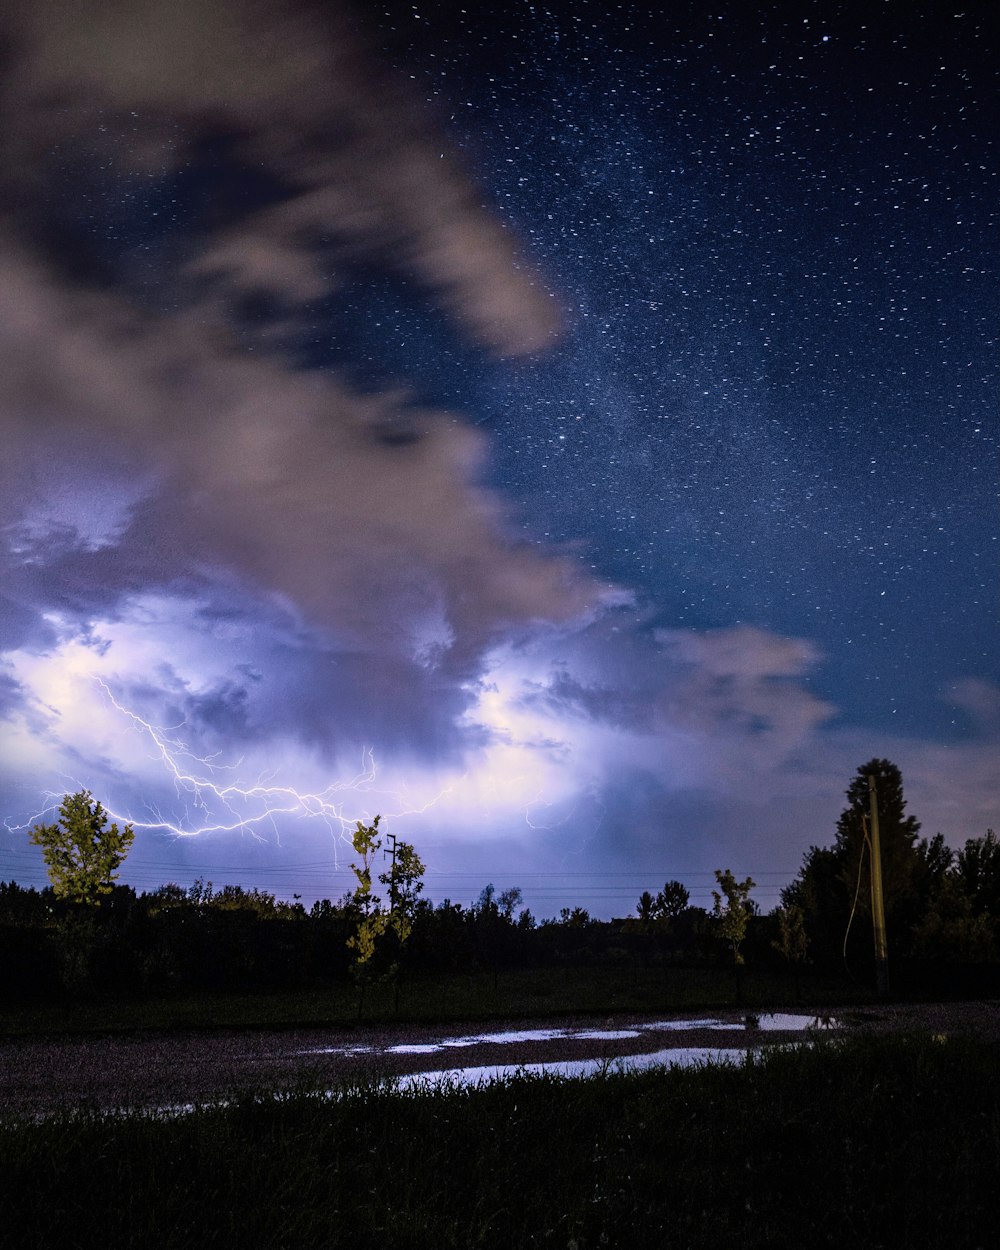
<point x="85" y="934"/>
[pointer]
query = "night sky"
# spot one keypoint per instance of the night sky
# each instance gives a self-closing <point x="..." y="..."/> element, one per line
<point x="569" y="431"/>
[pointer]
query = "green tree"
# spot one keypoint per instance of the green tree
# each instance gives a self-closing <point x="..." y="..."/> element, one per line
<point x="732" y="910"/>
<point x="82" y="853"/>
<point x="405" y="882"/>
<point x="372" y="920"/>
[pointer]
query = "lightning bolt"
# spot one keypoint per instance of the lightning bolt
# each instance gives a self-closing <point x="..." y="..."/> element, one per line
<point x="218" y="801"/>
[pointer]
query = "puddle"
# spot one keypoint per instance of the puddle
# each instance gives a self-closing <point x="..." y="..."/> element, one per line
<point x="775" y="1020"/>
<point x="574" y="1069"/>
<point x="682" y="1026"/>
<point x="515" y="1035"/>
<point x="449" y="1078"/>
<point x="766" y="1022"/>
<point x="604" y="1035"/>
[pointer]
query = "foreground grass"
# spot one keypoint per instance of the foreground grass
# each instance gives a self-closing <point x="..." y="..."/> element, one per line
<point x="868" y="1142"/>
<point x="524" y="993"/>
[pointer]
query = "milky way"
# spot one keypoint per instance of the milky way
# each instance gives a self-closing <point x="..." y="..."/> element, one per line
<point x="776" y="237"/>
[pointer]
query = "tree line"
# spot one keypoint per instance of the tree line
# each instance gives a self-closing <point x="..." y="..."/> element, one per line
<point x="87" y="933"/>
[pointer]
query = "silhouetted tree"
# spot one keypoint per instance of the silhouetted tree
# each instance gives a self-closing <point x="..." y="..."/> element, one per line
<point x="901" y="857"/>
<point x="978" y="868"/>
<point x="792" y="942"/>
<point x="507" y="901"/>
<point x="646" y="909"/>
<point x="952" y="929"/>
<point x="834" y="883"/>
<point x="574" y="917"/>
<point x="821" y="894"/>
<point x="672" y="901"/>
<point x="497" y="938"/>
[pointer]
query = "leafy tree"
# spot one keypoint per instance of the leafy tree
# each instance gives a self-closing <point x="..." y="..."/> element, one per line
<point x="82" y="853"/>
<point x="405" y="882"/>
<point x="372" y="921"/>
<point x="732" y="916"/>
<point x="486" y="902"/>
<point x="497" y="937"/>
<point x="22" y="905"/>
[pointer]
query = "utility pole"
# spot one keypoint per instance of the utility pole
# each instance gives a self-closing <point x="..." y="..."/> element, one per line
<point x="391" y="837"/>
<point x="878" y="902"/>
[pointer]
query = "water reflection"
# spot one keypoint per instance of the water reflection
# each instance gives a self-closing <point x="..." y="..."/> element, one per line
<point x="769" y="1022"/>
<point x="673" y="1057"/>
<point x="484" y="1074"/>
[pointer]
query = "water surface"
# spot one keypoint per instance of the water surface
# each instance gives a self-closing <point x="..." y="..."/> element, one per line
<point x="772" y="1021"/>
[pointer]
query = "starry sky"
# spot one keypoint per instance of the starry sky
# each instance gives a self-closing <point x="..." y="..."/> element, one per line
<point x="570" y="432"/>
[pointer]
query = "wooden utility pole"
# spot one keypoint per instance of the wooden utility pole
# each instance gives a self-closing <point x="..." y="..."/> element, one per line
<point x="878" y="902"/>
<point x="391" y="837"/>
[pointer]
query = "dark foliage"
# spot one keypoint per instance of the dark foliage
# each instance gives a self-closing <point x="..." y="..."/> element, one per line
<point x="941" y="908"/>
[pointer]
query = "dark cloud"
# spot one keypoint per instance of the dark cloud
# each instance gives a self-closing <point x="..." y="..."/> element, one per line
<point x="565" y="695"/>
<point x="343" y="143"/>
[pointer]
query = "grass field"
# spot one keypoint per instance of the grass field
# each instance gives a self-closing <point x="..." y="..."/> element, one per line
<point x="521" y="994"/>
<point x="866" y="1142"/>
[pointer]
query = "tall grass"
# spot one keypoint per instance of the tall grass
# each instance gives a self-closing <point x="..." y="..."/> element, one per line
<point x="867" y="1142"/>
